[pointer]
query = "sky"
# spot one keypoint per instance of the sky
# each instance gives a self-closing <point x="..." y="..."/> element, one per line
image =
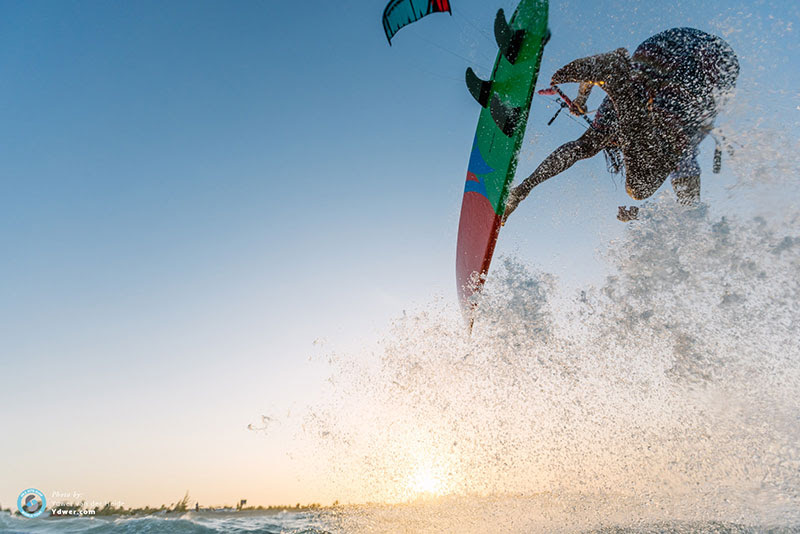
<point x="193" y="193"/>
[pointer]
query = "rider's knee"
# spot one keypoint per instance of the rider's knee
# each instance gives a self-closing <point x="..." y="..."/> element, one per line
<point x="586" y="148"/>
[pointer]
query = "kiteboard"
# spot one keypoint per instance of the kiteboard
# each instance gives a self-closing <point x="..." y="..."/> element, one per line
<point x="505" y="100"/>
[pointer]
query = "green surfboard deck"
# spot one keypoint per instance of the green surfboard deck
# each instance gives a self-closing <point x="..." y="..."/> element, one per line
<point x="514" y="85"/>
<point x="494" y="156"/>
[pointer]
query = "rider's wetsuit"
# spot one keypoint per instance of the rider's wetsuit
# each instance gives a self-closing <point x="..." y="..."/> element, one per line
<point x="669" y="93"/>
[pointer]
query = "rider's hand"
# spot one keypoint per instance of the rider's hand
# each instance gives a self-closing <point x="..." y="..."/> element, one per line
<point x="577" y="109"/>
<point x="578" y="104"/>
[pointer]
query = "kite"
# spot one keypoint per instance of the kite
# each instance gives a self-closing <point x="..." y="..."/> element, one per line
<point x="399" y="13"/>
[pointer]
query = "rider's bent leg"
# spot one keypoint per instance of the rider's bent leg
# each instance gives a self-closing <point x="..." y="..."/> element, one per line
<point x="564" y="157"/>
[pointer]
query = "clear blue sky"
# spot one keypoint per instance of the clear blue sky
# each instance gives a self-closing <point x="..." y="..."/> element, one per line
<point x="193" y="192"/>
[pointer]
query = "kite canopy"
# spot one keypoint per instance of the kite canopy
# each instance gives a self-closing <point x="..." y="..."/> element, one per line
<point x="399" y="13"/>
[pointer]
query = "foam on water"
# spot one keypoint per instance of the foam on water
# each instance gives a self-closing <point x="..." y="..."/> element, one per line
<point x="667" y="393"/>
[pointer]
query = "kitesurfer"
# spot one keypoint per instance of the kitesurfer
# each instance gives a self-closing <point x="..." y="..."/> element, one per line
<point x="661" y="104"/>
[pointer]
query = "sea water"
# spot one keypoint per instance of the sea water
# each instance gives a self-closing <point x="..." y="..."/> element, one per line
<point x="174" y="523"/>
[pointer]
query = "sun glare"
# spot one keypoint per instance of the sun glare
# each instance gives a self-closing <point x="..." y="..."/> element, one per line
<point x="425" y="483"/>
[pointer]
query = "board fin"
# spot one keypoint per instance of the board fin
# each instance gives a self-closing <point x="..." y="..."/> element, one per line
<point x="479" y="89"/>
<point x="505" y="117"/>
<point x="509" y="40"/>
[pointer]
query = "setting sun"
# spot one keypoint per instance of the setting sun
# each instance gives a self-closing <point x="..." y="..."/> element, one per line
<point x="425" y="482"/>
